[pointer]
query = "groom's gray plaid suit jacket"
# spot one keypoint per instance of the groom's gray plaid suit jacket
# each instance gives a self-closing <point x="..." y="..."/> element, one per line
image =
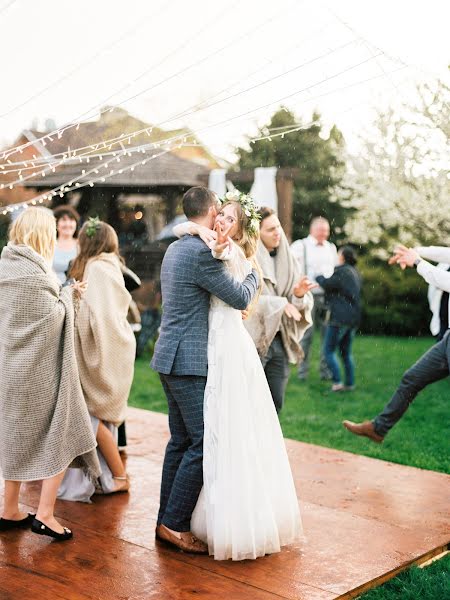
<point x="189" y="275"/>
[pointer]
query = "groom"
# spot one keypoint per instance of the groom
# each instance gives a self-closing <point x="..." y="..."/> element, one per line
<point x="189" y="275"/>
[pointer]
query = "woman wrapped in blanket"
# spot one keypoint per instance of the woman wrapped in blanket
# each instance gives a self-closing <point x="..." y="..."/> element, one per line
<point x="44" y="421"/>
<point x="105" y="347"/>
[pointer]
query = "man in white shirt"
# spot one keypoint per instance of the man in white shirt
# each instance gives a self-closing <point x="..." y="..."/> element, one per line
<point x="316" y="256"/>
<point x="432" y="366"/>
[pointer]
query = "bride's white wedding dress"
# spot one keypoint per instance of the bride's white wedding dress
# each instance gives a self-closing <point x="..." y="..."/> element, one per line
<point x="248" y="506"/>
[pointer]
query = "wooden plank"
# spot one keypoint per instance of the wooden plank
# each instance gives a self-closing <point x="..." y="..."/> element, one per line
<point x="93" y="566"/>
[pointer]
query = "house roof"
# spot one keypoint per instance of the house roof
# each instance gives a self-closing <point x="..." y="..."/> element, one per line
<point x="166" y="169"/>
<point x="188" y="165"/>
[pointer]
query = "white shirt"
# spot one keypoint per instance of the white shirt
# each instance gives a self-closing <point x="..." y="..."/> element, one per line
<point x="438" y="279"/>
<point x="315" y="259"/>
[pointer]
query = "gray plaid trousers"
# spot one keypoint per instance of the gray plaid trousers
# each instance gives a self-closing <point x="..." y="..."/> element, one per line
<point x="182" y="477"/>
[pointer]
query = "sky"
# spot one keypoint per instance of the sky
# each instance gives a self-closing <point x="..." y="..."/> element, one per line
<point x="227" y="64"/>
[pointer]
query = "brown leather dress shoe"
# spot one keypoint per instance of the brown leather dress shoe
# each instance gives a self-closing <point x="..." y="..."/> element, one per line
<point x="185" y="540"/>
<point x="366" y="429"/>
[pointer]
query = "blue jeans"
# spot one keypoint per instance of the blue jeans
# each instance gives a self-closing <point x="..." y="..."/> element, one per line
<point x="340" y="337"/>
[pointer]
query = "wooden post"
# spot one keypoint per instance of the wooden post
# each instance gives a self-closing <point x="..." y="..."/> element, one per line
<point x="285" y="192"/>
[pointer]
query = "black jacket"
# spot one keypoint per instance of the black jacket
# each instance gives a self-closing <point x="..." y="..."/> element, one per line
<point x="343" y="295"/>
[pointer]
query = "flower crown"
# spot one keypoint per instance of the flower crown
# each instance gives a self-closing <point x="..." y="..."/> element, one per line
<point x="93" y="225"/>
<point x="248" y="206"/>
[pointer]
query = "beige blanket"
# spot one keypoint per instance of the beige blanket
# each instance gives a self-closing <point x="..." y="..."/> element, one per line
<point x="44" y="423"/>
<point x="105" y="343"/>
<point x="280" y="274"/>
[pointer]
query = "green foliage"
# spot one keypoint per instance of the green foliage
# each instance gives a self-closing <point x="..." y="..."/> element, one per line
<point x="394" y="301"/>
<point x="321" y="164"/>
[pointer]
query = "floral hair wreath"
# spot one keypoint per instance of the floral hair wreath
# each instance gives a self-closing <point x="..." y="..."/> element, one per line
<point x="93" y="225"/>
<point x="248" y="206"/>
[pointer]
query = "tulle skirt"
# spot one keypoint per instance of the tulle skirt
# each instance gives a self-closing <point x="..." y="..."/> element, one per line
<point x="248" y="506"/>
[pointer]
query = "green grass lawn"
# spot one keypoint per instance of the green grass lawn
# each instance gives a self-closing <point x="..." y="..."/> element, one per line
<point x="312" y="413"/>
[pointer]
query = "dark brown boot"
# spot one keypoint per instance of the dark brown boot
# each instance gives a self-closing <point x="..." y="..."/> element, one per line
<point x="365" y="429"/>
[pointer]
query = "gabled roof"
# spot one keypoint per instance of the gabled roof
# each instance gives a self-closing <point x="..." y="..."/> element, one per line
<point x="166" y="169"/>
<point x="115" y="124"/>
<point x="188" y="165"/>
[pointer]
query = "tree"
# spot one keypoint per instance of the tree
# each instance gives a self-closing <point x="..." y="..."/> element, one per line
<point x="400" y="178"/>
<point x="319" y="157"/>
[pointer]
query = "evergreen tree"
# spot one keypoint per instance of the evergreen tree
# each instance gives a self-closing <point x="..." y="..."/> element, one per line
<point x="321" y="164"/>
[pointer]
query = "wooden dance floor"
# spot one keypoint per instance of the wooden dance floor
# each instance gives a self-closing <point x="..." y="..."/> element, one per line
<point x="364" y="520"/>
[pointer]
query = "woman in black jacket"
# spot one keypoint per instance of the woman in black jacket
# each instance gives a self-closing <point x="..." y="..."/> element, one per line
<point x="343" y="297"/>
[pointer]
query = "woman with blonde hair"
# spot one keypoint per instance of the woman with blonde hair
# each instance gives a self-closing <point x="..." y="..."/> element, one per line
<point x="248" y="506"/>
<point x="44" y="422"/>
<point x="105" y="347"/>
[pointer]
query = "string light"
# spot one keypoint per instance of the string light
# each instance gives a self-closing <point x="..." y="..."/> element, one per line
<point x="155" y="145"/>
<point x="64" y="188"/>
<point x="196" y="109"/>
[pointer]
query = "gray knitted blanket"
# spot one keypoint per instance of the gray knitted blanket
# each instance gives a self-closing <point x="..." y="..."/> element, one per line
<point x="44" y="421"/>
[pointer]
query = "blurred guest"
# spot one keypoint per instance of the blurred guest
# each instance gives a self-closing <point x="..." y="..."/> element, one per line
<point x="343" y="297"/>
<point x="317" y="256"/>
<point x="440" y="308"/>
<point x="438" y="299"/>
<point x="433" y="366"/>
<point x="67" y="220"/>
<point x="44" y="422"/>
<point x="105" y="347"/>
<point x="283" y="312"/>
<point x="149" y="303"/>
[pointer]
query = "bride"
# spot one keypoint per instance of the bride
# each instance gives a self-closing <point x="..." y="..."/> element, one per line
<point x="248" y="506"/>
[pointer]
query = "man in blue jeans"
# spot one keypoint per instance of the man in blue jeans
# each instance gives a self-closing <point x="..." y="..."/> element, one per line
<point x="432" y="366"/>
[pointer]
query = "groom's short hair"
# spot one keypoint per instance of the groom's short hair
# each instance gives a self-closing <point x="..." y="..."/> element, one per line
<point x="197" y="201"/>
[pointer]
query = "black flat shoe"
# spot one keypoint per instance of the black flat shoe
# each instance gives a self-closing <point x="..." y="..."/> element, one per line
<point x="7" y="524"/>
<point x="41" y="529"/>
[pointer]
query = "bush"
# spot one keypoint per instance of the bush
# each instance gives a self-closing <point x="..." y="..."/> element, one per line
<point x="394" y="301"/>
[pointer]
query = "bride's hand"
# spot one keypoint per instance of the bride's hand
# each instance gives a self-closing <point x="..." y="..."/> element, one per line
<point x="204" y="233"/>
<point x="292" y="312"/>
<point x="223" y="241"/>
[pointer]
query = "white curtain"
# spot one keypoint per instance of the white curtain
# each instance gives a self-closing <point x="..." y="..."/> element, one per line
<point x="264" y="189"/>
<point x="217" y="181"/>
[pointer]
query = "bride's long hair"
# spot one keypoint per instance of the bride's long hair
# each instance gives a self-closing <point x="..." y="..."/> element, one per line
<point x="248" y="242"/>
<point x="248" y="238"/>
